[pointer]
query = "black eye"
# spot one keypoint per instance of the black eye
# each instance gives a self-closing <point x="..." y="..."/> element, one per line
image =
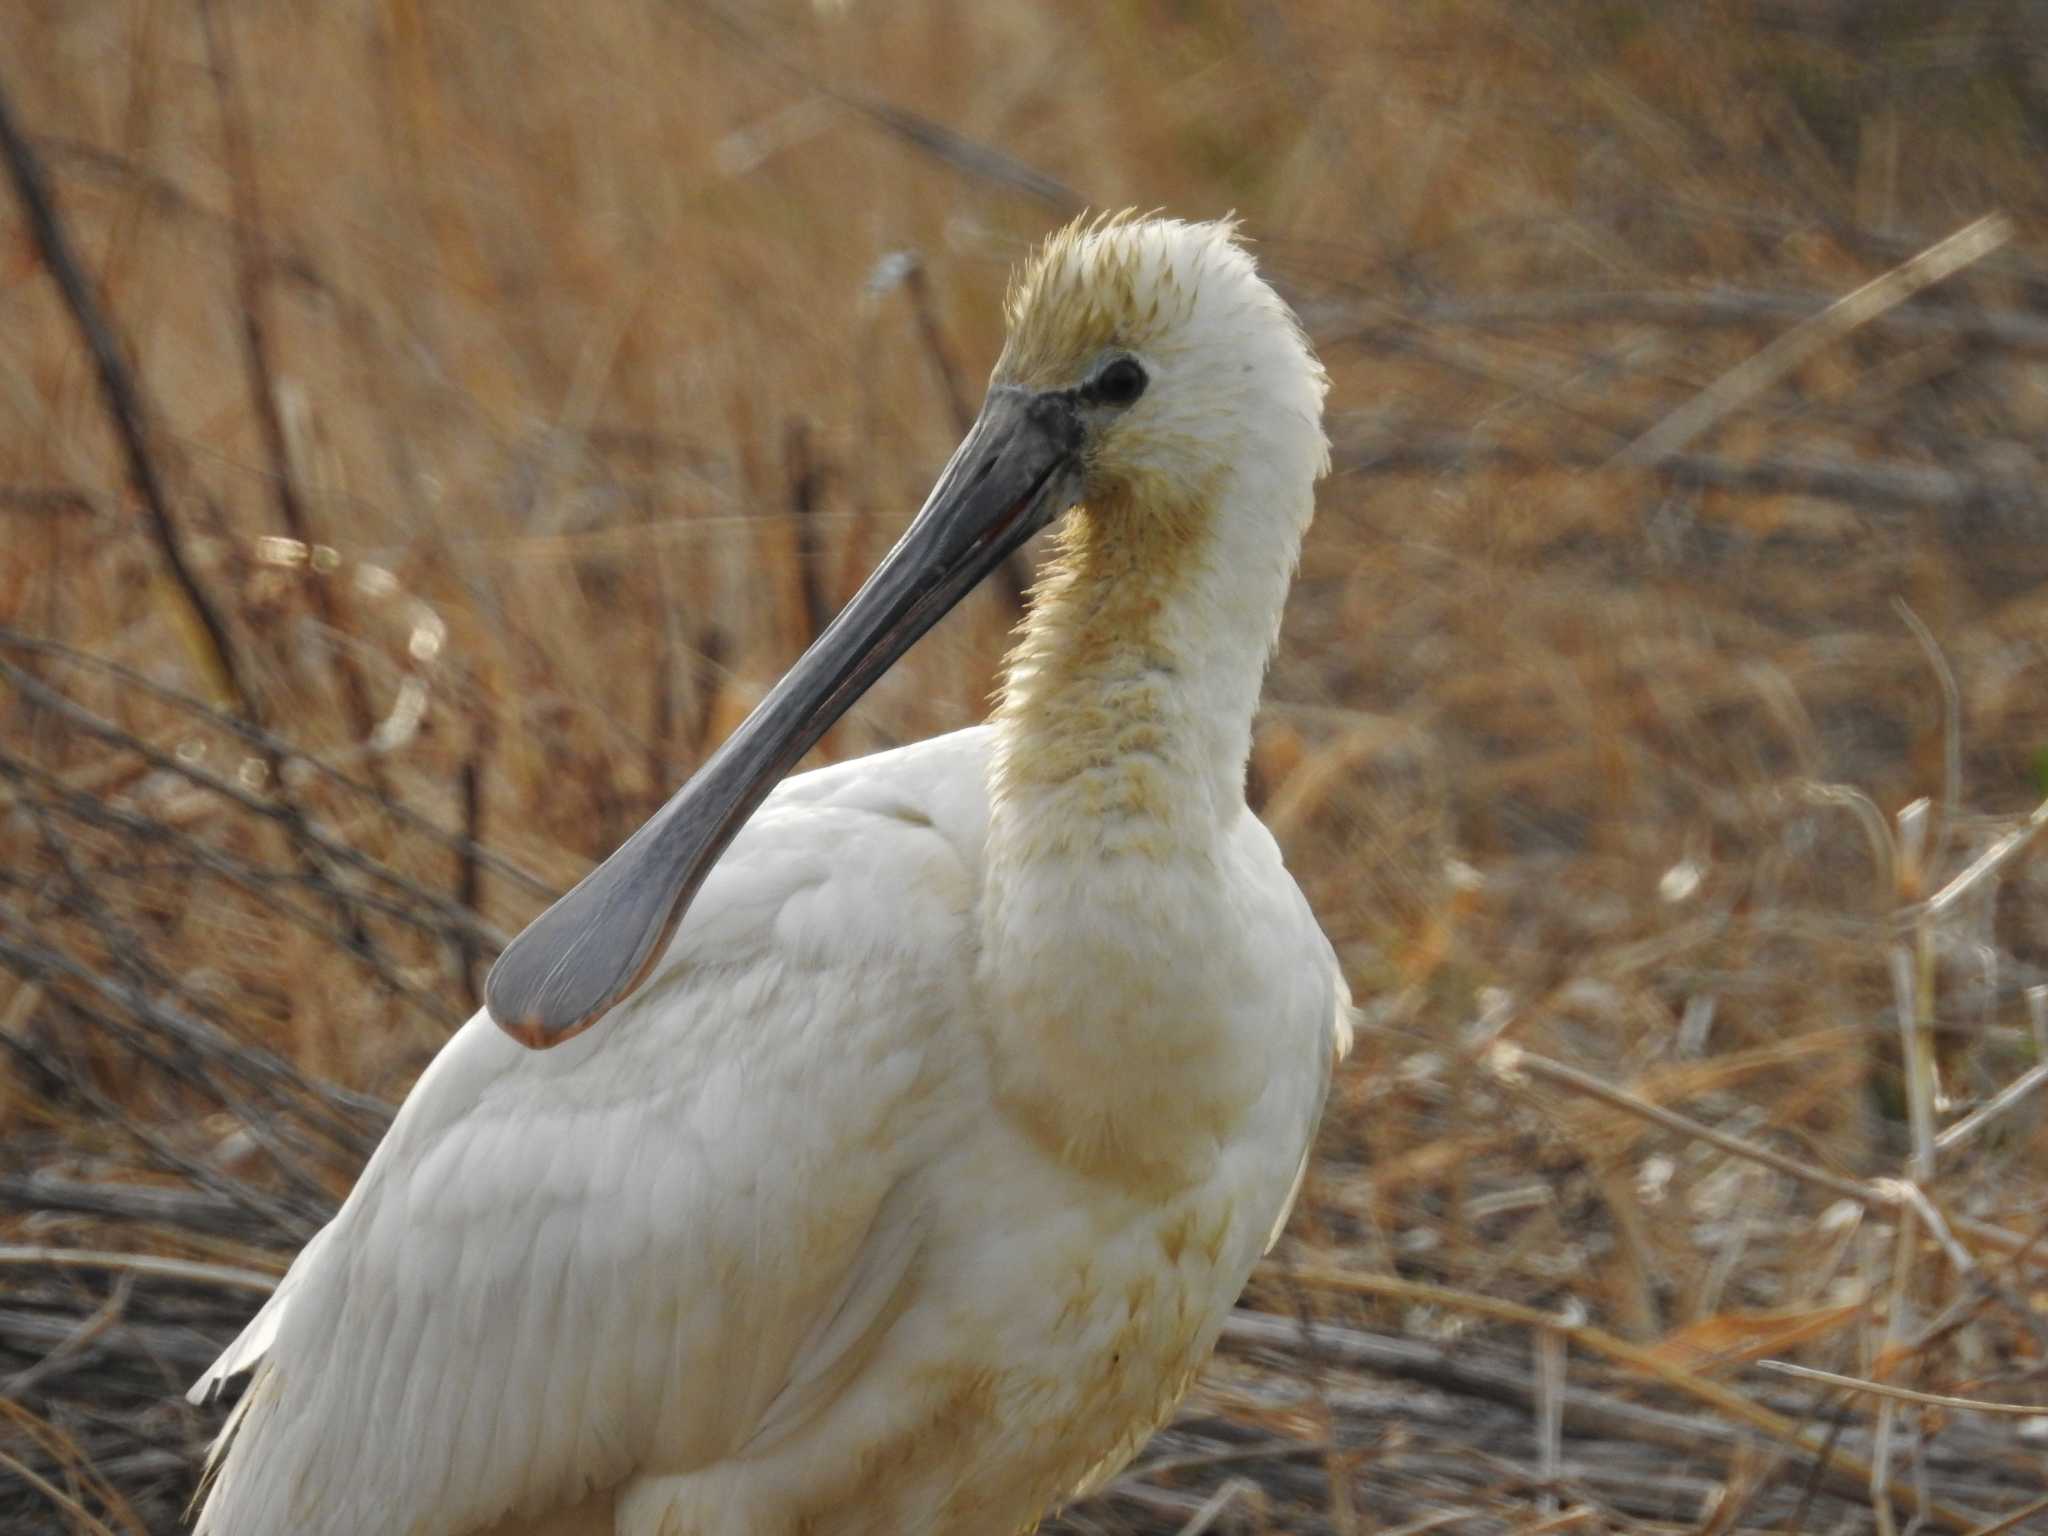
<point x="1121" y="382"/>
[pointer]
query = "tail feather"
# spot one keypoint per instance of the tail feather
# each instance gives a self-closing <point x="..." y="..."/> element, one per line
<point x="210" y="1496"/>
<point x="255" y="1341"/>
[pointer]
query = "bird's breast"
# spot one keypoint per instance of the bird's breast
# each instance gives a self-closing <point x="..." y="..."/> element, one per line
<point x="1128" y="1035"/>
<point x="1088" y="1318"/>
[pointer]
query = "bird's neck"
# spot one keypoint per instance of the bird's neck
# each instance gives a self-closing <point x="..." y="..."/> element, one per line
<point x="1108" y="930"/>
<point x="1126" y="711"/>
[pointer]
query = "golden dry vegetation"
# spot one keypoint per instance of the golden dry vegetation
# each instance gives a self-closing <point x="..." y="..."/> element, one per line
<point x="524" y="383"/>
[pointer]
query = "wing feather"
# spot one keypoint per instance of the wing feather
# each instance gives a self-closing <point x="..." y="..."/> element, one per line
<point x="1319" y="1002"/>
<point x="666" y="1236"/>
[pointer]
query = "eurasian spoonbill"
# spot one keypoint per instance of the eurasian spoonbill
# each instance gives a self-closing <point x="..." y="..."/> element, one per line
<point x="912" y="1177"/>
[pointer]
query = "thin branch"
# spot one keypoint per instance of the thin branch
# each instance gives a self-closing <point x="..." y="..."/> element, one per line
<point x="1993" y="1107"/>
<point x="154" y="1266"/>
<point x="304" y="833"/>
<point x="1904" y="1394"/>
<point x="1989" y="862"/>
<point x="1972" y="243"/>
<point x="2012" y="1521"/>
<point x="1842" y="1470"/>
<point x="122" y="398"/>
<point x="57" y="1496"/>
<point x="267" y="743"/>
<point x="1509" y="1061"/>
<point x="1951" y="734"/>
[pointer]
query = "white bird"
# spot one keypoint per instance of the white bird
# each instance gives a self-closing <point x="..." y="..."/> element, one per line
<point x="912" y="1177"/>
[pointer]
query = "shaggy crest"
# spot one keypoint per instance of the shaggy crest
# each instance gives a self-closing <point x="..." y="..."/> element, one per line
<point x="1109" y="280"/>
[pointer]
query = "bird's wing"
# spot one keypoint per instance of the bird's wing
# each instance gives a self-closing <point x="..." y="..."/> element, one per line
<point x="1317" y="1014"/>
<point x="660" y="1240"/>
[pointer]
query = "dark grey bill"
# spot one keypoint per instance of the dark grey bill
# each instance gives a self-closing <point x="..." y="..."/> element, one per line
<point x="1016" y="471"/>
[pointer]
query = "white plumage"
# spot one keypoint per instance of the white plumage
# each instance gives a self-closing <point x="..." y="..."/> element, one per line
<point x="910" y="1188"/>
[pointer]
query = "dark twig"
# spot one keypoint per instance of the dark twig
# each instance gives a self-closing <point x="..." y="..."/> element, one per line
<point x="118" y="390"/>
<point x="198" y="1050"/>
<point x="968" y="156"/>
<point x="124" y="405"/>
<point x="800" y="467"/>
<point x="35" y="962"/>
<point x="917" y="283"/>
<point x="1014" y="576"/>
<point x="340" y="852"/>
<point x="469" y="873"/>
<point x="267" y="743"/>
<point x="45" y="500"/>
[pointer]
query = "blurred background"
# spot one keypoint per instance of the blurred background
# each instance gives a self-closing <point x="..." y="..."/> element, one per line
<point x="495" y="399"/>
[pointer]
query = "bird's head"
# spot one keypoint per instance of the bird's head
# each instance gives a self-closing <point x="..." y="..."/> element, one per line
<point x="1178" y="364"/>
<point x="1147" y="365"/>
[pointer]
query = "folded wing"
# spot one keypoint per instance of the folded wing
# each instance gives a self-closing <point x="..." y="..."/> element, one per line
<point x="642" y="1249"/>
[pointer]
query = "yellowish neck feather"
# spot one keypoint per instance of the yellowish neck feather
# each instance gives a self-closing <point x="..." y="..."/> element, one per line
<point x="1111" y="734"/>
<point x="1117" y="776"/>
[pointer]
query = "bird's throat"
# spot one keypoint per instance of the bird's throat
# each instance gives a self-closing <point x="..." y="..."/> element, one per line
<point x="1124" y="724"/>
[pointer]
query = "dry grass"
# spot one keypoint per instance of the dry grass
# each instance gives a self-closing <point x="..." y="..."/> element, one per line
<point x="526" y="381"/>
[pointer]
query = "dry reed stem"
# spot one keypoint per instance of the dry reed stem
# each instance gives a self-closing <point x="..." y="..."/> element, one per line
<point x="1563" y="1520"/>
<point x="84" y="1518"/>
<point x="2012" y="1521"/>
<point x="1508" y="1061"/>
<point x="1989" y="862"/>
<point x="2006" y="1098"/>
<point x="1951" y="734"/>
<point x="78" y="1468"/>
<point x="1829" y="1463"/>
<point x="253" y="292"/>
<point x="1835" y="1465"/>
<point x="1214" y="1506"/>
<point x="1551" y="1364"/>
<point x="1904" y="1394"/>
<point x="155" y="1265"/>
<point x="1967" y="246"/>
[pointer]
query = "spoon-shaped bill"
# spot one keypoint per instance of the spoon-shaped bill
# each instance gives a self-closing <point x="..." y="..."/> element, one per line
<point x="1016" y="470"/>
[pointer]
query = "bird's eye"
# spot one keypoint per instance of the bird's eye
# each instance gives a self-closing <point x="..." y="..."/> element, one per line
<point x="1121" y="382"/>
